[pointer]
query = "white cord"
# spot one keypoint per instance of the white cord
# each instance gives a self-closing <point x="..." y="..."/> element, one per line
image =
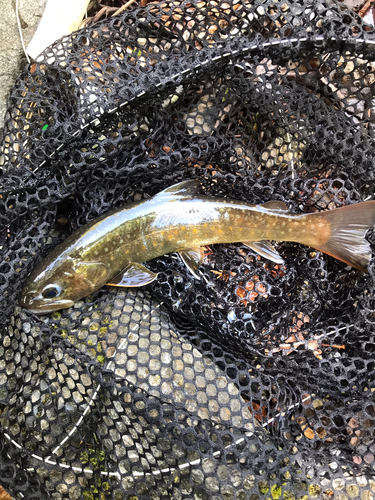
<point x="20" y="30"/>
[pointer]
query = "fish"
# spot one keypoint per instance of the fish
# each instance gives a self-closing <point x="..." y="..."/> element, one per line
<point x="112" y="249"/>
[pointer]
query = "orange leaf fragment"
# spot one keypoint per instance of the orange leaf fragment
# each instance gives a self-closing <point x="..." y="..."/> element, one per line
<point x="261" y="288"/>
<point x="250" y="285"/>
<point x="241" y="292"/>
<point x="290" y="339"/>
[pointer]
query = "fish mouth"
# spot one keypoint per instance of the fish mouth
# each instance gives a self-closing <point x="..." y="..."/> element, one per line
<point x="48" y="308"/>
<point x="41" y="306"/>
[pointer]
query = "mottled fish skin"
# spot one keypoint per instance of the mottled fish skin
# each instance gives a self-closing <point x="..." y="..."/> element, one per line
<point x="173" y="220"/>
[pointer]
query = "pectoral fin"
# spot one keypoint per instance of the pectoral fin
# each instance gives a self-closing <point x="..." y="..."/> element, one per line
<point x="134" y="274"/>
<point x="275" y="206"/>
<point x="93" y="273"/>
<point x="192" y="258"/>
<point x="265" y="249"/>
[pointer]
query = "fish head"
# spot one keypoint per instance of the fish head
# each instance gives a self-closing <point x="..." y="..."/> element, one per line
<point x="51" y="287"/>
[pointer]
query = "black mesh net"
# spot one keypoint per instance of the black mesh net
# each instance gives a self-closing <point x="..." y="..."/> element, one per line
<point x="254" y="382"/>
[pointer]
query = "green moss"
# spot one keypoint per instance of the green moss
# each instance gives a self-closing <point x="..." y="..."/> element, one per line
<point x="100" y="359"/>
<point x="46" y="399"/>
<point x="288" y="495"/>
<point x="84" y="458"/>
<point x="314" y="490"/>
<point x="264" y="487"/>
<point x="103" y="330"/>
<point x="256" y="122"/>
<point x="56" y="315"/>
<point x="276" y="491"/>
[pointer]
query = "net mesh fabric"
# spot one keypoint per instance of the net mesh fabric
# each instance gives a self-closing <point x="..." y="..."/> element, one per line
<point x="256" y="381"/>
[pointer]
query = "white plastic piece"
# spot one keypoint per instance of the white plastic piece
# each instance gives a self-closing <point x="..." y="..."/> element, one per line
<point x="61" y="17"/>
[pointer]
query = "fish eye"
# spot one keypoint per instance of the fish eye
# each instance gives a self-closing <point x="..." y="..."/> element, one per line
<point x="51" y="292"/>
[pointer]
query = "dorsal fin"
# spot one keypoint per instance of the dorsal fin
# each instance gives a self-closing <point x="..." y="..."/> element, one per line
<point x="275" y="206"/>
<point x="182" y="189"/>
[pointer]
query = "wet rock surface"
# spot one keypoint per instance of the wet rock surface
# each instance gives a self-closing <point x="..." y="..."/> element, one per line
<point x="12" y="57"/>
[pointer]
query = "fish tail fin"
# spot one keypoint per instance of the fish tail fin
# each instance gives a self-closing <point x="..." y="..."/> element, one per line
<point x="348" y="227"/>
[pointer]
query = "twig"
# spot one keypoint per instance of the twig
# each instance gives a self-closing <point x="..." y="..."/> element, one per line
<point x="334" y="345"/>
<point x="124" y="7"/>
<point x="365" y="8"/>
<point x="104" y="10"/>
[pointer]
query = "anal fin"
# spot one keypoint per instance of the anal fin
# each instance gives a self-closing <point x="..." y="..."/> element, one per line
<point x="192" y="258"/>
<point x="132" y="275"/>
<point x="265" y="249"/>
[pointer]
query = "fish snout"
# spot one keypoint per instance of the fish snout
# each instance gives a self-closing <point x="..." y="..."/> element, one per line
<point x="32" y="301"/>
<point x="27" y="299"/>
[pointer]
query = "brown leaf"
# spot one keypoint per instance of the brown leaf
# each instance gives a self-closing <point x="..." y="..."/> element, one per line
<point x="309" y="433"/>
<point x="4" y="495"/>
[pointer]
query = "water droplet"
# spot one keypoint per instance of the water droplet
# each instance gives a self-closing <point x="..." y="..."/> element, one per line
<point x="231" y="316"/>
